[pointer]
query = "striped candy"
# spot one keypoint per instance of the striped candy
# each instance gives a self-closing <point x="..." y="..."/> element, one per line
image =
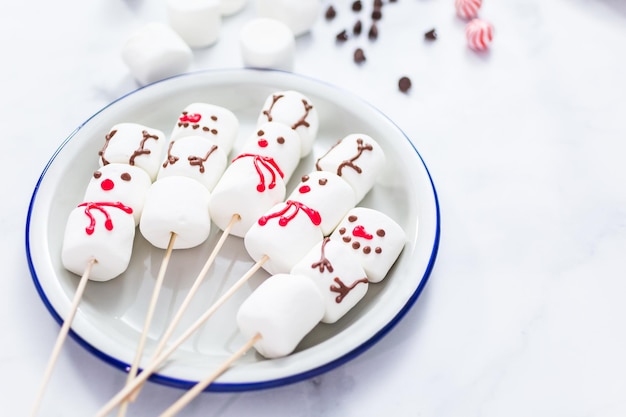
<point x="479" y="34"/>
<point x="467" y="9"/>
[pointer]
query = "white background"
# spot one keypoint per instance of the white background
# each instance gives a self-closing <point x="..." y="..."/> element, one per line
<point x="523" y="314"/>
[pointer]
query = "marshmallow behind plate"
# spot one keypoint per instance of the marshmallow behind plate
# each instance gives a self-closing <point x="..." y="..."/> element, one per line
<point x="285" y="233"/>
<point x="267" y="43"/>
<point x="134" y="144"/>
<point x="179" y="205"/>
<point x="194" y="157"/>
<point x="100" y="231"/>
<point x="299" y="15"/>
<point x="208" y="120"/>
<point x="374" y="238"/>
<point x="198" y="22"/>
<point x="120" y="182"/>
<point x="358" y="159"/>
<point x="283" y="309"/>
<point x="230" y="7"/>
<point x="337" y="274"/>
<point x="296" y="111"/>
<point x="155" y="51"/>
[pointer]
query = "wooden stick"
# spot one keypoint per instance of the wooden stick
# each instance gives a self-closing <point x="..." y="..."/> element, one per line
<point x="149" y="315"/>
<point x="200" y="386"/>
<point x="154" y="365"/>
<point x="194" y="288"/>
<point x="65" y="328"/>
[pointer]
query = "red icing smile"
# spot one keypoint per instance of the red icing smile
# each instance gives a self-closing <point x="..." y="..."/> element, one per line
<point x="192" y="118"/>
<point x="107" y="185"/>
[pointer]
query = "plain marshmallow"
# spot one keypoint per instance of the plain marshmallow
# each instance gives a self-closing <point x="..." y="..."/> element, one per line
<point x="299" y="15"/>
<point x="282" y="310"/>
<point x="154" y="52"/>
<point x="267" y="43"/>
<point x="230" y="7"/>
<point x="198" y="22"/>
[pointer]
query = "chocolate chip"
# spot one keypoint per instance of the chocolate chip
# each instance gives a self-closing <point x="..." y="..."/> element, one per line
<point x="378" y="4"/>
<point x="359" y="56"/>
<point x="373" y="33"/>
<point x="358" y="27"/>
<point x="431" y="35"/>
<point x="342" y="36"/>
<point x="357" y="6"/>
<point x="330" y="13"/>
<point x="377" y="14"/>
<point x="404" y="84"/>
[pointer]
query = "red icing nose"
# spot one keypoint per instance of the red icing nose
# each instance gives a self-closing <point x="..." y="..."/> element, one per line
<point x="304" y="189"/>
<point x="107" y="185"/>
<point x="262" y="143"/>
<point x="359" y="231"/>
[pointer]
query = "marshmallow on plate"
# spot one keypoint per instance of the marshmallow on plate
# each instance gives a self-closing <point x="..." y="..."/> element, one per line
<point x="283" y="309"/>
<point x="358" y="159"/>
<point x="134" y="144"/>
<point x="249" y="187"/>
<point x="155" y="51"/>
<point x="194" y="157"/>
<point x="198" y="22"/>
<point x="296" y="111"/>
<point x="299" y="15"/>
<point x="208" y="120"/>
<point x="284" y="234"/>
<point x="103" y="231"/>
<point x="120" y="182"/>
<point x="337" y="274"/>
<point x="230" y="7"/>
<point x="328" y="194"/>
<point x="375" y="238"/>
<point x="267" y="43"/>
<point x="176" y="205"/>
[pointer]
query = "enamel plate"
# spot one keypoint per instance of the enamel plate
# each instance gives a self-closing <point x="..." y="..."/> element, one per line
<point x="111" y="314"/>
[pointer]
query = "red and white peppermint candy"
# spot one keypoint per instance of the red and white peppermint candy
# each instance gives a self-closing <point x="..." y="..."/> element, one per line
<point x="467" y="9"/>
<point x="479" y="34"/>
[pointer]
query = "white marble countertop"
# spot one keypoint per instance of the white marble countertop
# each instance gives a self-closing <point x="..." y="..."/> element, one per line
<point x="523" y="314"/>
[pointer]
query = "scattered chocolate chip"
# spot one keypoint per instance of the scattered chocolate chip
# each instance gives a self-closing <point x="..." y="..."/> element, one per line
<point x="358" y="27"/>
<point x="373" y="33"/>
<point x="378" y="4"/>
<point x="404" y="84"/>
<point x="431" y="35"/>
<point x="359" y="56"/>
<point x="342" y="36"/>
<point x="377" y="14"/>
<point x="357" y="6"/>
<point x="392" y="1"/>
<point x="330" y="13"/>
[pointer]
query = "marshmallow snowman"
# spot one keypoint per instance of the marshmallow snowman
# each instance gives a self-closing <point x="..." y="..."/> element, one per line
<point x="373" y="237"/>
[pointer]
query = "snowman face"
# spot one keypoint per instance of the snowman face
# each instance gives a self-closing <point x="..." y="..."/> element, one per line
<point x="362" y="237"/>
<point x="320" y="184"/>
<point x="279" y="142"/>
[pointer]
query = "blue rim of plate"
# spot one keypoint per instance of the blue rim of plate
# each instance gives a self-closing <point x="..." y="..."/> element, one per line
<point x="234" y="387"/>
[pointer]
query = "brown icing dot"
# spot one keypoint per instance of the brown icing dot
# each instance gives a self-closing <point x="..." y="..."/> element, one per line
<point x="377" y="14"/>
<point x="342" y="230"/>
<point x="380" y="232"/>
<point x="378" y="249"/>
<point x="214" y="131"/>
<point x="352" y="218"/>
<point x="305" y="178"/>
<point x="280" y="140"/>
<point x="347" y="239"/>
<point x="125" y="176"/>
<point x="260" y="132"/>
<point x="355" y="245"/>
<point x="97" y="174"/>
<point x="367" y="250"/>
<point x="214" y="118"/>
<point x="323" y="181"/>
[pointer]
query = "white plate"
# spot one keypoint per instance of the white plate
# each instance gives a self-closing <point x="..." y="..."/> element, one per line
<point x="111" y="314"/>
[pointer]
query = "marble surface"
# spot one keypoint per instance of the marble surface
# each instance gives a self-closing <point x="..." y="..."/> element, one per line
<point x="523" y="314"/>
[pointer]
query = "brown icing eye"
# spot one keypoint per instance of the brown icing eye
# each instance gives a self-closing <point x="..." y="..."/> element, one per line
<point x="280" y="140"/>
<point x="97" y="174"/>
<point x="305" y="178"/>
<point x="125" y="176"/>
<point x="380" y="232"/>
<point x="353" y="218"/>
<point x="323" y="181"/>
<point x="214" y="118"/>
<point x="260" y="132"/>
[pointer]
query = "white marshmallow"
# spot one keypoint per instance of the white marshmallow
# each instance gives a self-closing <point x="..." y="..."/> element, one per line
<point x="375" y="239"/>
<point x="198" y="22"/>
<point x="100" y="231"/>
<point x="267" y="43"/>
<point x="120" y="182"/>
<point x="327" y="193"/>
<point x="358" y="159"/>
<point x="155" y="51"/>
<point x="179" y="205"/>
<point x="208" y="120"/>
<point x="136" y="145"/>
<point x="230" y="7"/>
<point x="296" y="111"/>
<point x="249" y="187"/>
<point x="283" y="309"/>
<point x="337" y="274"/>
<point x="278" y="141"/>
<point x="299" y="15"/>
<point x="194" y="157"/>
<point x="285" y="234"/>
